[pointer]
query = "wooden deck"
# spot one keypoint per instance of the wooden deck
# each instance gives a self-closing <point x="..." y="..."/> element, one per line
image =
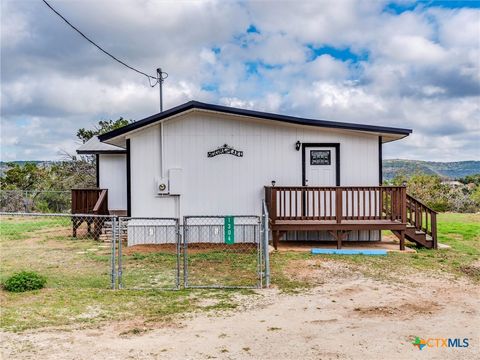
<point x="340" y="210"/>
<point x="86" y="202"/>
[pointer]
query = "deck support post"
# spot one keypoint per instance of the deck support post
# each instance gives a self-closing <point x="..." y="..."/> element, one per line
<point x="74" y="227"/>
<point x="342" y="236"/>
<point x="276" y="238"/>
<point x="339" y="236"/>
<point x="402" y="240"/>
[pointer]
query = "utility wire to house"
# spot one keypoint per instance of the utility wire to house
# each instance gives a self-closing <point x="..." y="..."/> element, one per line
<point x="161" y="75"/>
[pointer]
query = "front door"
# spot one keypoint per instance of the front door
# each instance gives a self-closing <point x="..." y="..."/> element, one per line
<point x="320" y="166"/>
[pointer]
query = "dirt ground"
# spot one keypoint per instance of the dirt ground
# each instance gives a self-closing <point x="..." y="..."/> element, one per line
<point x="345" y="316"/>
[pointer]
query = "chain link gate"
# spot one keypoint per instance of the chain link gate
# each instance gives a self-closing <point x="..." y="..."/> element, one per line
<point x="222" y="252"/>
<point x="148" y="253"/>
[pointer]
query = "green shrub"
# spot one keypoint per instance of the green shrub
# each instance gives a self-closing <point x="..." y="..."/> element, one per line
<point x="24" y="281"/>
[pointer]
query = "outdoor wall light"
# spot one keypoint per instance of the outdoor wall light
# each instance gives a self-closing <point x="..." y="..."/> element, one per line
<point x="273" y="183"/>
<point x="297" y="145"/>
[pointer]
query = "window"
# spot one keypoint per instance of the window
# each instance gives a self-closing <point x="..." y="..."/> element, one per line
<point x="319" y="157"/>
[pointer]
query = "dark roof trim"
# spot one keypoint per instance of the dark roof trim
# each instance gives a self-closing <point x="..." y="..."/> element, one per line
<point x="251" y="113"/>
<point x="89" y="152"/>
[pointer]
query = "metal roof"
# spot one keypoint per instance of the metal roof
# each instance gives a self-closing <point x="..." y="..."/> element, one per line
<point x="95" y="146"/>
<point x="191" y="105"/>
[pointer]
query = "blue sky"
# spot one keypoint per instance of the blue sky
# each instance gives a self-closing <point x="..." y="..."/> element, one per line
<point x="406" y="64"/>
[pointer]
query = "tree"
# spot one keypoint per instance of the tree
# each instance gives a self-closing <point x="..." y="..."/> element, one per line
<point x="28" y="176"/>
<point x="427" y="188"/>
<point x="471" y="179"/>
<point x="442" y="196"/>
<point x="46" y="188"/>
<point x="102" y="127"/>
<point x="73" y="172"/>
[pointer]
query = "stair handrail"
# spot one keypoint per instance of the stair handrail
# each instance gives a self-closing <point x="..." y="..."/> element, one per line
<point x="421" y="203"/>
<point x="419" y="209"/>
<point x="101" y="207"/>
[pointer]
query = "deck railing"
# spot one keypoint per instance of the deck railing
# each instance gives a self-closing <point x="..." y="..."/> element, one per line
<point x="337" y="204"/>
<point x="90" y="201"/>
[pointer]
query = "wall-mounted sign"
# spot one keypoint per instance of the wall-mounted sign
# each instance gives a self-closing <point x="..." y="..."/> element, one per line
<point x="319" y="157"/>
<point x="225" y="149"/>
<point x="229" y="230"/>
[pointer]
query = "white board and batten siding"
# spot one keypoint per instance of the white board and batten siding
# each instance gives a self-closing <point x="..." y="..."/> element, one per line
<point x="113" y="176"/>
<point x="230" y="185"/>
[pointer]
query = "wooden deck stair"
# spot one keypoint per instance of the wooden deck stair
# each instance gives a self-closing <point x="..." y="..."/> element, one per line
<point x="107" y="232"/>
<point x="418" y="236"/>
<point x="421" y="224"/>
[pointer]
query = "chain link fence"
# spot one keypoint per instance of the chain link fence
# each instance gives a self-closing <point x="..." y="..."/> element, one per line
<point x="35" y="201"/>
<point x="69" y="250"/>
<point x="222" y="252"/>
<point x="149" y="253"/>
<point x="103" y="251"/>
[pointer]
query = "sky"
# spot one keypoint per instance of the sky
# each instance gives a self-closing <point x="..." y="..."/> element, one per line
<point x="402" y="64"/>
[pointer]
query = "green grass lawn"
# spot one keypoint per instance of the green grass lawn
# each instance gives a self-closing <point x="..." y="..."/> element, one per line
<point x="45" y="245"/>
<point x="78" y="273"/>
<point x="459" y="231"/>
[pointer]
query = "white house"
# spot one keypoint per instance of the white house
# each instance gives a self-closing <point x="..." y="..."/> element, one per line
<point x="203" y="159"/>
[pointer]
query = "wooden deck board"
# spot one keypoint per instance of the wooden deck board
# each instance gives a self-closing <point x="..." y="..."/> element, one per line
<point x="328" y="222"/>
<point x="312" y="225"/>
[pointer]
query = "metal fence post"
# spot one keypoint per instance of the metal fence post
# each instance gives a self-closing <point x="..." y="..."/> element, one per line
<point x="185" y="254"/>
<point x="119" y="270"/>
<point x="178" y="241"/>
<point x="266" y="232"/>
<point x="267" y="253"/>
<point x="258" y="231"/>
<point x="113" y="254"/>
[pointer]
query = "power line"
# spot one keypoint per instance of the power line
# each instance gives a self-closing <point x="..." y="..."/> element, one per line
<point x="157" y="79"/>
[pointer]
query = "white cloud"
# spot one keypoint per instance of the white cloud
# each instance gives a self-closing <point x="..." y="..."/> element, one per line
<point x="421" y="68"/>
<point x="326" y="67"/>
<point x="458" y="28"/>
<point x="414" y="49"/>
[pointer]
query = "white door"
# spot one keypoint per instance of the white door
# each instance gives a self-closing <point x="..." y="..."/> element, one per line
<point x="320" y="166"/>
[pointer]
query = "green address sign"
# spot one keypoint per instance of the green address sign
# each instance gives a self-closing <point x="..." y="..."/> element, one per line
<point x="229" y="227"/>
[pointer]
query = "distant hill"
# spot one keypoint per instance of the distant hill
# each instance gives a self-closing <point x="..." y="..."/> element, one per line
<point x="21" y="162"/>
<point x="448" y="170"/>
<point x="3" y="164"/>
